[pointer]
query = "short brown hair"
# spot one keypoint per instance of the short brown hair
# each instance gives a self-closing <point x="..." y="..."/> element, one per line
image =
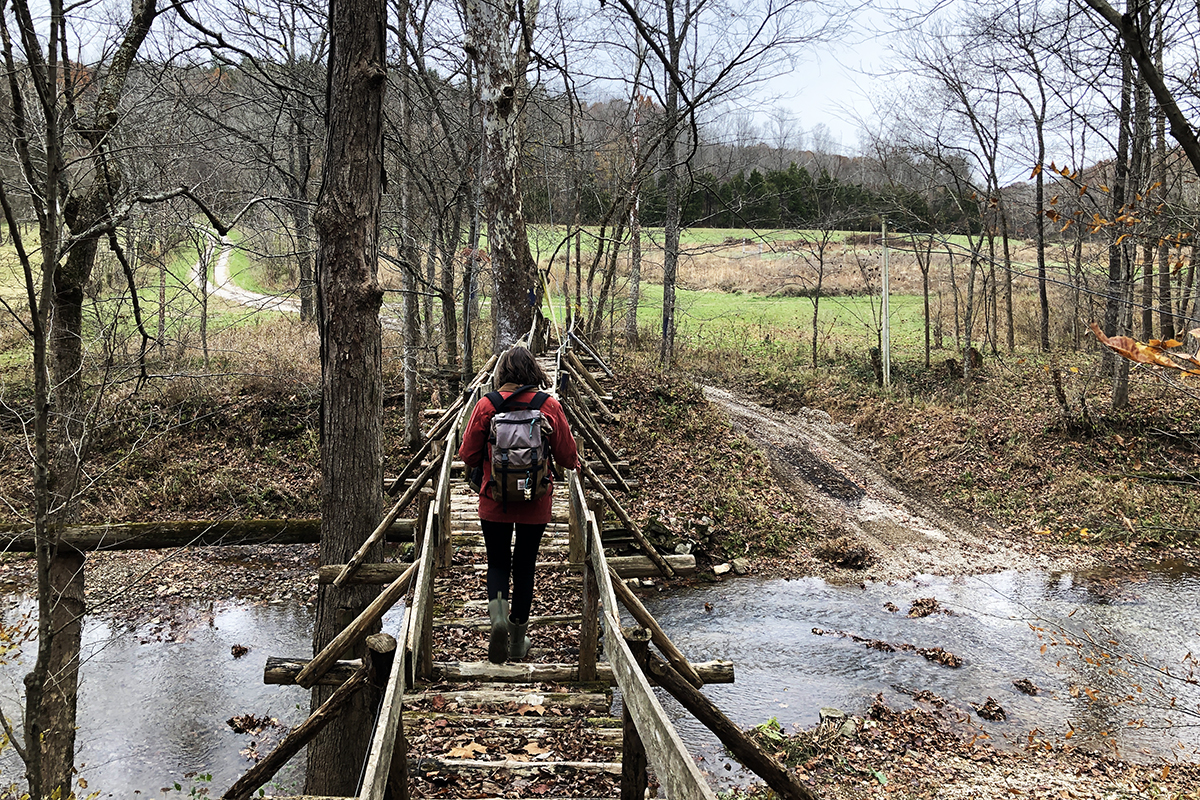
<point x="517" y="365"/>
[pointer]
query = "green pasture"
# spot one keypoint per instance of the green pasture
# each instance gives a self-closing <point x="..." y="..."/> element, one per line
<point x="743" y="321"/>
<point x="543" y="239"/>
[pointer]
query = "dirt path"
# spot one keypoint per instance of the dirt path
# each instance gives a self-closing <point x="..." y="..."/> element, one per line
<point x="224" y="287"/>
<point x="840" y="482"/>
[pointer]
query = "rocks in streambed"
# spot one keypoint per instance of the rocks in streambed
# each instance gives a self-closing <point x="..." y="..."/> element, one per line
<point x="991" y="711"/>
<point x="834" y="719"/>
<point x="924" y="607"/>
<point x="937" y="655"/>
<point x="1026" y="686"/>
<point x="846" y="552"/>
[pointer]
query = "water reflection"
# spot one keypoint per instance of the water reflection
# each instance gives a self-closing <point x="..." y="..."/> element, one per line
<point x="786" y="672"/>
<point x="152" y="711"/>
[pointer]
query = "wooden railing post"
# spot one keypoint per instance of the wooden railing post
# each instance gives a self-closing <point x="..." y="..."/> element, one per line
<point x="577" y="542"/>
<point x="633" y="751"/>
<point x="424" y="665"/>
<point x="589" y="627"/>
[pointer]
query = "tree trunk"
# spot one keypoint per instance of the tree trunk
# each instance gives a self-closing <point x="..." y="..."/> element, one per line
<point x="349" y="298"/>
<point x="446" y="293"/>
<point x="1040" y="227"/>
<point x="1118" y="367"/>
<point x="1008" y="273"/>
<point x="671" y="222"/>
<point x="491" y="30"/>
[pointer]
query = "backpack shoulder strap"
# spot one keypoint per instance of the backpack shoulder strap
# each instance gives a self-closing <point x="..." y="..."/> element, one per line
<point x="538" y="400"/>
<point x="499" y="402"/>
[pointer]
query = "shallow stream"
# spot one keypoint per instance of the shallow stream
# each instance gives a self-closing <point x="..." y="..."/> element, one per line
<point x="154" y="702"/>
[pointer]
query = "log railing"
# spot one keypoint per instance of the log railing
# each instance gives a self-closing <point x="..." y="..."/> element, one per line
<point x="665" y="751"/>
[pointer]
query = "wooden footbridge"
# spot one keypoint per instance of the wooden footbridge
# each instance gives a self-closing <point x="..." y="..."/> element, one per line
<point x="452" y="724"/>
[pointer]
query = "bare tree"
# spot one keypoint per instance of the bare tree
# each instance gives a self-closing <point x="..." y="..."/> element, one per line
<point x="499" y="37"/>
<point x="727" y="50"/>
<point x="347" y="224"/>
<point x="64" y="149"/>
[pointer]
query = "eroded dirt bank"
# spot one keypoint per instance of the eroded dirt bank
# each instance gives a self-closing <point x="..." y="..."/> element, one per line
<point x="837" y="479"/>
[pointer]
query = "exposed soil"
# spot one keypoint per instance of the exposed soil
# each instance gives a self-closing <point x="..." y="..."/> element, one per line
<point x="836" y="477"/>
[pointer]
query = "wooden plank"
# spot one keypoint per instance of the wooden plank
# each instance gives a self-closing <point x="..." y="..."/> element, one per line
<point x="356" y="630"/>
<point x="379" y="762"/>
<point x="422" y="596"/>
<point x="673" y="765"/>
<point x="482" y="623"/>
<point x="606" y="727"/>
<point x="633" y="752"/>
<point x="589" y="627"/>
<point x="521" y="768"/>
<point x="631" y="566"/>
<point x="577" y="543"/>
<point x="185" y="533"/>
<point x="596" y="702"/>
<point x="484" y="671"/>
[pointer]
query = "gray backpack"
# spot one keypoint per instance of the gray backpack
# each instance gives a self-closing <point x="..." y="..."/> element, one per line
<point x="519" y="440"/>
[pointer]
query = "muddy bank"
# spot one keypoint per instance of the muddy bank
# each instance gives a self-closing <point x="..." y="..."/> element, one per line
<point x="838" y="478"/>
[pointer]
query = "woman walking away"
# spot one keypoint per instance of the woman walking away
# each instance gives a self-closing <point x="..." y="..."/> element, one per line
<point x="514" y="434"/>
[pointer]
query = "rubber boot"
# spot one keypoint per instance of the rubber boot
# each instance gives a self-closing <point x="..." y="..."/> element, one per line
<point x="518" y="642"/>
<point x="498" y="643"/>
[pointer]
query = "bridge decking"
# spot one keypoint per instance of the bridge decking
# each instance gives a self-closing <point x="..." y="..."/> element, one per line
<point x="540" y="728"/>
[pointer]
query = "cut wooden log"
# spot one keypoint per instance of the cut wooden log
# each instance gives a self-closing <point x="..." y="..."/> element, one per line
<point x="483" y="671"/>
<point x="186" y="533"/>
<point x="299" y="736"/>
<point x="734" y="738"/>
<point x="367" y="574"/>
<point x="418" y="766"/>
<point x="283" y="671"/>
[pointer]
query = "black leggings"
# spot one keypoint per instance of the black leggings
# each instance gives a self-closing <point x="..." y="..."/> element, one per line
<point x="504" y="559"/>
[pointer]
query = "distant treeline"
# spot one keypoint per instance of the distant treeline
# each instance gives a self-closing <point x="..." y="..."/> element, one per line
<point x="790" y="198"/>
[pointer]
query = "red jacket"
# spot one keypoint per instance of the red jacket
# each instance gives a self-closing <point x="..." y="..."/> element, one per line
<point x="474" y="452"/>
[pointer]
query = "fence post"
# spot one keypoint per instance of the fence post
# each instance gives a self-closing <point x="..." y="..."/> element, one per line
<point x="633" y="751"/>
<point x="577" y="545"/>
<point x="589" y="627"/>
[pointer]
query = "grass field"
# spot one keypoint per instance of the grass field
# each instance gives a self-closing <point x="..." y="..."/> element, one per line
<point x="744" y="321"/>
